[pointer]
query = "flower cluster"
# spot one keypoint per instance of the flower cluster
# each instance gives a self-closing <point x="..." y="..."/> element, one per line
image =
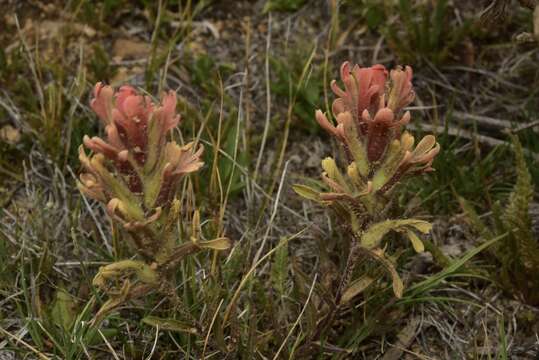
<point x="371" y="108"/>
<point x="369" y="118"/>
<point x="135" y="172"/>
<point x="135" y="169"/>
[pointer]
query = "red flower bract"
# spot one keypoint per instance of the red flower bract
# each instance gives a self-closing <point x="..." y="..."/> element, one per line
<point x="127" y="115"/>
<point x="364" y="97"/>
<point x="135" y="147"/>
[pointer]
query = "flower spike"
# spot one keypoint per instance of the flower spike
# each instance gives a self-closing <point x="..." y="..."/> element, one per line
<point x="370" y="117"/>
<point x="135" y="172"/>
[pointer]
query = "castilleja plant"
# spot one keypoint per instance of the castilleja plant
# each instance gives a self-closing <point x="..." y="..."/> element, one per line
<point x="379" y="154"/>
<point x="135" y="172"/>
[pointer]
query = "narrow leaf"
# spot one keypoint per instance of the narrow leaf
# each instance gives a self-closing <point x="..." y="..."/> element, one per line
<point x="306" y="192"/>
<point x="356" y="288"/>
<point x="279" y="268"/>
<point x="63" y="310"/>
<point x="378" y="255"/>
<point x="416" y="241"/>
<point x="222" y="243"/>
<point x="372" y="237"/>
<point x="170" y="325"/>
<point x="433" y="281"/>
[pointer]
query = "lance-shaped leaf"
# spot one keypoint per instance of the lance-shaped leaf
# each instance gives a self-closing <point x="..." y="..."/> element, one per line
<point x="221" y="243"/>
<point x="178" y="253"/>
<point x="195" y="227"/>
<point x="114" y="301"/>
<point x="279" y="268"/>
<point x="170" y="325"/>
<point x="63" y="309"/>
<point x="372" y="237"/>
<point x="379" y="256"/>
<point x="142" y="271"/>
<point x="356" y="288"/>
<point x="415" y="240"/>
<point x="307" y="192"/>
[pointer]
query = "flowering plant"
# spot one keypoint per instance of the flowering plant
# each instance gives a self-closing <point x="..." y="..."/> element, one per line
<point x="136" y="172"/>
<point x="370" y="118"/>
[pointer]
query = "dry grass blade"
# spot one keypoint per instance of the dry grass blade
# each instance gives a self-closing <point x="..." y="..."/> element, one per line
<point x="273" y="214"/>
<point x="208" y="334"/>
<point x="251" y="271"/>
<point x="268" y="101"/>
<point x="276" y="356"/>
<point x="109" y="346"/>
<point x="25" y="344"/>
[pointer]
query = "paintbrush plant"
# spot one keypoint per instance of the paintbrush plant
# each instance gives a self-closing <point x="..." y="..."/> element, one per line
<point x="378" y="154"/>
<point x="135" y="171"/>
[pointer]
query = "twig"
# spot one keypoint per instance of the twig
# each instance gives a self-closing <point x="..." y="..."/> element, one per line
<point x="484" y="120"/>
<point x="485" y="140"/>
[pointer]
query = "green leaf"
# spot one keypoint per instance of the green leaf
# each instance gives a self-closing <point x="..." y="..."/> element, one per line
<point x="114" y="301"/>
<point x="155" y="148"/>
<point x="378" y="255"/>
<point x="170" y="325"/>
<point x="307" y="192"/>
<point x="279" y="268"/>
<point x="356" y="288"/>
<point x="63" y="309"/>
<point x="434" y="280"/>
<point x="222" y="243"/>
<point x="372" y="237"/>
<point x="415" y="240"/>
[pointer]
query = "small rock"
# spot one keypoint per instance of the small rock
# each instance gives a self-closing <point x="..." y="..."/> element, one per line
<point x="133" y="49"/>
<point x="10" y="135"/>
